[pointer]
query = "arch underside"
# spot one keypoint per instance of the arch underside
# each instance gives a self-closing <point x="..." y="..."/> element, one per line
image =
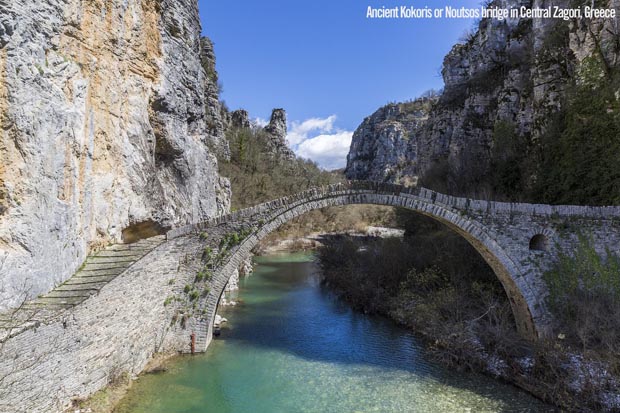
<point x="505" y="268"/>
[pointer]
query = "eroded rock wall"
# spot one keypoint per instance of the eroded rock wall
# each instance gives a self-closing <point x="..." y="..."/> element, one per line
<point x="514" y="71"/>
<point x="103" y="111"/>
<point x="383" y="146"/>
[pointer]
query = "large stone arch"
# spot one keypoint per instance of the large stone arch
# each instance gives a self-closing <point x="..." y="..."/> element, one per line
<point x="526" y="300"/>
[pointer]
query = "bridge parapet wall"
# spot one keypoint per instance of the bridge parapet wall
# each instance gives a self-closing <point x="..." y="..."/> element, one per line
<point x="272" y="207"/>
<point x="477" y="208"/>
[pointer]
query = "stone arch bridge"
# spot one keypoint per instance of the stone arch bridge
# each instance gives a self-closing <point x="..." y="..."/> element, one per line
<point x="518" y="241"/>
<point x="161" y="294"/>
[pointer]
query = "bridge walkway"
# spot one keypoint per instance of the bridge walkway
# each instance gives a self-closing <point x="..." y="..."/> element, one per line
<point x="99" y="269"/>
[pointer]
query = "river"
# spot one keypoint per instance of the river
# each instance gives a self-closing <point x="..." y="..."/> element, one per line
<point x="291" y="346"/>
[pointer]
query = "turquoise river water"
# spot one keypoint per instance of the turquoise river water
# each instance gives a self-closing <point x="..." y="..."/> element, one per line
<point x="291" y="346"/>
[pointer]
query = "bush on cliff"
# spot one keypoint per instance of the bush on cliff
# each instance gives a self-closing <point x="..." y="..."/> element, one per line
<point x="580" y="152"/>
<point x="584" y="297"/>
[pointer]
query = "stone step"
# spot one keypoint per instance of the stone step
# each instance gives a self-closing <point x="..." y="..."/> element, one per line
<point x="51" y="305"/>
<point x="121" y="258"/>
<point x="8" y="323"/>
<point x="152" y="240"/>
<point x="12" y="329"/>
<point x="62" y="294"/>
<point x="136" y="245"/>
<point x="159" y="238"/>
<point x="100" y="273"/>
<point x="110" y="254"/>
<point x="130" y="247"/>
<point x="80" y="280"/>
<point x="76" y="286"/>
<point x="151" y="245"/>
<point x="107" y="266"/>
<point x="61" y="302"/>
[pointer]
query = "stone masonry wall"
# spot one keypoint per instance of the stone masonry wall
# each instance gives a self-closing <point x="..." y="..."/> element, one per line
<point x="80" y="350"/>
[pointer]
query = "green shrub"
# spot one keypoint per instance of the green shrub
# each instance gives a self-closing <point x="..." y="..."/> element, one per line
<point x="204" y="275"/>
<point x="232" y="239"/>
<point x="584" y="297"/>
<point x="580" y="152"/>
<point x="207" y="255"/>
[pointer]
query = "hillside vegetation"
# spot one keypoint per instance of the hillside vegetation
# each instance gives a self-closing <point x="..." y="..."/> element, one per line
<point x="258" y="174"/>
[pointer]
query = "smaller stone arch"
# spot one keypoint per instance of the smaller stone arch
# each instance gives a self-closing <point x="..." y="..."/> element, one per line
<point x="539" y="242"/>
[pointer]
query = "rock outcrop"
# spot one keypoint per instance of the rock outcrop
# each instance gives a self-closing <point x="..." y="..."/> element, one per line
<point x="382" y="147"/>
<point x="276" y="132"/>
<point x="240" y="119"/>
<point x="511" y="72"/>
<point x="109" y="112"/>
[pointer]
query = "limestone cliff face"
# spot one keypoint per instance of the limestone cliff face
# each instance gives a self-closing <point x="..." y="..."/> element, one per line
<point x="381" y="148"/>
<point x="513" y="71"/>
<point x="104" y="109"/>
<point x="216" y="116"/>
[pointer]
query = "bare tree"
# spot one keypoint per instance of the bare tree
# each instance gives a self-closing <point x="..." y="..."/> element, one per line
<point x="13" y="322"/>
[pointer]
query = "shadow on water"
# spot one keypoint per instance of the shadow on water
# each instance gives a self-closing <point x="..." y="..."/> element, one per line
<point x="285" y="309"/>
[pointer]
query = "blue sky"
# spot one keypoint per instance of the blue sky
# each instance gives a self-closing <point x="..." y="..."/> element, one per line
<point x="325" y="62"/>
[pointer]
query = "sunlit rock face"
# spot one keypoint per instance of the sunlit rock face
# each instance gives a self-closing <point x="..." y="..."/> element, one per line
<point x="384" y="147"/>
<point x="105" y="110"/>
<point x="514" y="71"/>
<point x="276" y="132"/>
<point x="240" y="119"/>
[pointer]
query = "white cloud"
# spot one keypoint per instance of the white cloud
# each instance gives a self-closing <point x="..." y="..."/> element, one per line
<point x="260" y="122"/>
<point x="329" y="151"/>
<point x="300" y="131"/>
<point x="320" y="140"/>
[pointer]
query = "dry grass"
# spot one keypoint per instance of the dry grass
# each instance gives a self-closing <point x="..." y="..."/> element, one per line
<point x="335" y="219"/>
<point x="120" y="382"/>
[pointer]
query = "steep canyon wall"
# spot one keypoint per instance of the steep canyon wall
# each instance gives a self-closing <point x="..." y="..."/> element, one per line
<point x="107" y="112"/>
<point x="505" y="79"/>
